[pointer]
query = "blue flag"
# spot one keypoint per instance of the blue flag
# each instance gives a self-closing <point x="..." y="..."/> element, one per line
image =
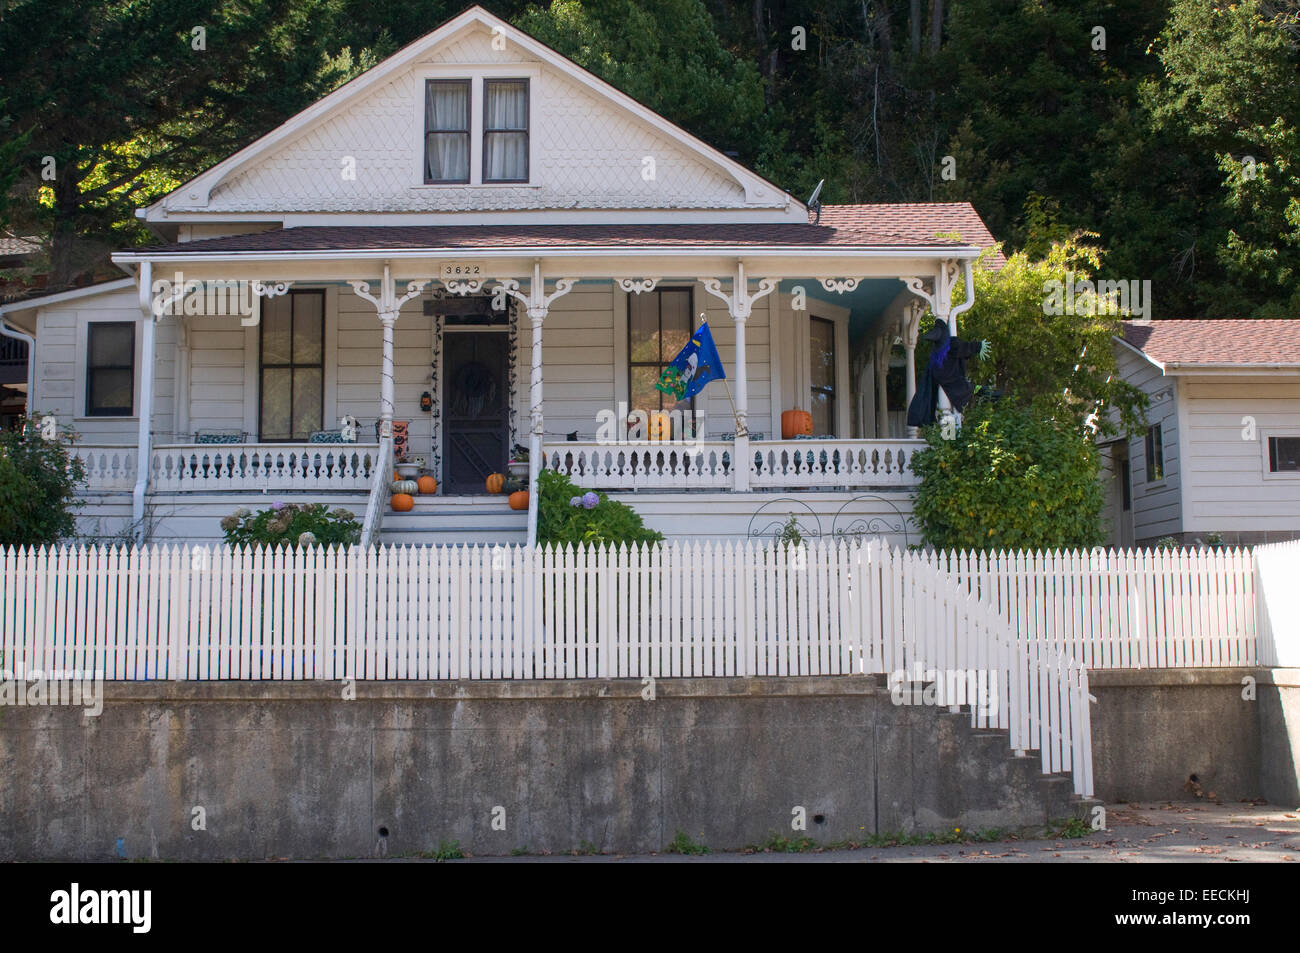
<point x="696" y="365"/>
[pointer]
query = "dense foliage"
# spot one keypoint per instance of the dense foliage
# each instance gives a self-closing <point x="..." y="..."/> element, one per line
<point x="569" y="515"/>
<point x="1167" y="127"/>
<point x="292" y="525"/>
<point x="38" y="480"/>
<point x="1011" y="478"/>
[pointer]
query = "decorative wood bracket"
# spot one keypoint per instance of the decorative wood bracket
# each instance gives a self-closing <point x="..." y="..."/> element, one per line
<point x="638" y="285"/>
<point x="840" y="285"/>
<point x="740" y="303"/>
<point x="388" y="304"/>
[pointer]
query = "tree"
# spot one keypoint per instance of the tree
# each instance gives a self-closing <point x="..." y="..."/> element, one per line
<point x="1011" y="478"/>
<point x="38" y="482"/>
<point x="1062" y="363"/>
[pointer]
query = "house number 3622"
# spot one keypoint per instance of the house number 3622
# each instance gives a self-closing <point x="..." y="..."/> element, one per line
<point x="460" y="269"/>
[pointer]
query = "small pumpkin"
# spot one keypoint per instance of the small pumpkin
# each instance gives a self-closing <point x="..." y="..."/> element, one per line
<point x="427" y="484"/>
<point x="661" y="426"/>
<point x="396" y="475"/>
<point x="409" y="487"/>
<point x="496" y="482"/>
<point x="796" y="423"/>
<point x="519" y="500"/>
<point x="402" y="502"/>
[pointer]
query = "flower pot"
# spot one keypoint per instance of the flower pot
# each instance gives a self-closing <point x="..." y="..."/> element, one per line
<point x="519" y="469"/>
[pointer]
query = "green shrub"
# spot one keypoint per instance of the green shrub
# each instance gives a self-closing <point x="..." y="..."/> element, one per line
<point x="1011" y="478"/>
<point x="594" y="518"/>
<point x="38" y="482"/>
<point x="292" y="525"/>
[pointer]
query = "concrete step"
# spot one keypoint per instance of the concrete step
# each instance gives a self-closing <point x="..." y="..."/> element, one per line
<point x="456" y="520"/>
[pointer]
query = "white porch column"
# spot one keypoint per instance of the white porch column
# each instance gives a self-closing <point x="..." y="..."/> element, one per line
<point x="941" y="307"/>
<point x="181" y="409"/>
<point x="538" y="303"/>
<point x="740" y="304"/>
<point x="882" y="386"/>
<point x="144" y="412"/>
<point x="911" y="331"/>
<point x="389" y="306"/>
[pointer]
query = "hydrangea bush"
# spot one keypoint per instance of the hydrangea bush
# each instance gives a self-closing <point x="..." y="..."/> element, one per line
<point x="292" y="525"/>
<point x="568" y="514"/>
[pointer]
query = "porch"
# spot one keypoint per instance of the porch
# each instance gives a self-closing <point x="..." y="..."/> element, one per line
<point x="451" y="380"/>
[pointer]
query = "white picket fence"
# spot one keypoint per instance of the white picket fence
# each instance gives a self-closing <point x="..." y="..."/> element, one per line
<point x="1192" y="608"/>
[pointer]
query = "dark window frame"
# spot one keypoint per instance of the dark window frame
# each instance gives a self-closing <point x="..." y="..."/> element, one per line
<point x="689" y="291"/>
<point x="291" y="365"/>
<point x="1155" y="454"/>
<point x="526" y="130"/>
<point x="1273" y="454"/>
<point x="834" y="385"/>
<point x="467" y="132"/>
<point x="91" y="368"/>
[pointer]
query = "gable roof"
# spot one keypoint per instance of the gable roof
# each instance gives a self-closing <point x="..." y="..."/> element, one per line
<point x="915" y="221"/>
<point x="1213" y="343"/>
<point x="194" y="195"/>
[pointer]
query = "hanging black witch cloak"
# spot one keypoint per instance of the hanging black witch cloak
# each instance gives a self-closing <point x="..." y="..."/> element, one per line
<point x="946" y="369"/>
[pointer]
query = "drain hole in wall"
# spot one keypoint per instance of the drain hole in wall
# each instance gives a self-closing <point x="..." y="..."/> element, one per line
<point x="819" y="818"/>
<point x="383" y="832"/>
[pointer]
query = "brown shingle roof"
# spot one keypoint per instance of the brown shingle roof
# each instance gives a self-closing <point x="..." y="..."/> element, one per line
<point x="846" y="226"/>
<point x="1217" y="342"/>
<point x="917" y="220"/>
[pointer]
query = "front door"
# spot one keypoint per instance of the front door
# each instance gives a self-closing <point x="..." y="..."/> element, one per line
<point x="475" y="400"/>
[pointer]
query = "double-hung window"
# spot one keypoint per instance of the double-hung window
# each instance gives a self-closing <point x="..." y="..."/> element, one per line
<point x="659" y="326"/>
<point x="292" y="366"/>
<point x="446" y="131"/>
<point x="110" y="369"/>
<point x="505" y="130"/>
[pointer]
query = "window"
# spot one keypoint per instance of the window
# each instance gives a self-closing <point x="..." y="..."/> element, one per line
<point x="446" y="130"/>
<point x="1155" y="454"/>
<point x="292" y="367"/>
<point x="110" y="369"/>
<point x="505" y="130"/>
<point x="1283" y="454"/>
<point x="821" y="339"/>
<point x="659" y="325"/>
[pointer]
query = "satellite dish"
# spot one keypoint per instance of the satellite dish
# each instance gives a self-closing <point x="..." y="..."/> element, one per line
<point x="815" y="204"/>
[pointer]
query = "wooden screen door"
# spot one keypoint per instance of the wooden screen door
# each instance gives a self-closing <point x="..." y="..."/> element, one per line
<point x="475" y="401"/>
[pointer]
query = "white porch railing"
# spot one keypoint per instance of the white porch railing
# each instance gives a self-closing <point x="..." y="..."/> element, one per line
<point x="373" y="521"/>
<point x="643" y="464"/>
<point x="201" y="468"/>
<point x="809" y="464"/>
<point x="832" y="463"/>
<point x="106" y="468"/>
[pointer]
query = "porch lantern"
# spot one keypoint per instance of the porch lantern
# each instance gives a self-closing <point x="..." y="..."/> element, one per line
<point x="426" y="402"/>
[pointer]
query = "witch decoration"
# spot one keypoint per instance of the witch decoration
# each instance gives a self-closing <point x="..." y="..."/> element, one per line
<point x="946" y="369"/>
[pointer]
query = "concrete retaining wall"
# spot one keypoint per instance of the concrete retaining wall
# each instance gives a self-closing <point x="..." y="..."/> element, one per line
<point x="1154" y="729"/>
<point x="294" y="770"/>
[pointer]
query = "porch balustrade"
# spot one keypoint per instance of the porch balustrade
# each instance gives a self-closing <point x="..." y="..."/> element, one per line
<point x="200" y="468"/>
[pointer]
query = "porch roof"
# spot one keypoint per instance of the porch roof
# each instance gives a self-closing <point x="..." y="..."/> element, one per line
<point x="846" y="237"/>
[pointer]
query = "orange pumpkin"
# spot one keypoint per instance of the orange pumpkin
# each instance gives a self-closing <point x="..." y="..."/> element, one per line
<point x="427" y="484"/>
<point x="396" y="475"/>
<point x="796" y="423"/>
<point x="496" y="482"/>
<point x="519" y="500"/>
<point x="402" y="502"/>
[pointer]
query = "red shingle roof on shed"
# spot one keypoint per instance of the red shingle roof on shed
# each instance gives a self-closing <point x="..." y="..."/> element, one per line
<point x="1215" y="342"/>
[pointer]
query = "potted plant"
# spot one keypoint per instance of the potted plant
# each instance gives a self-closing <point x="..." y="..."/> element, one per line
<point x="518" y="465"/>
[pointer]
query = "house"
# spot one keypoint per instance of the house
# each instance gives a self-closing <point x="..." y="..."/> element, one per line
<point x="1222" y="453"/>
<point x="487" y="244"/>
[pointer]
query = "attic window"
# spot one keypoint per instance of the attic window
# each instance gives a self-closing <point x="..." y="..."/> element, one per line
<point x="446" y="131"/>
<point x="505" y="130"/>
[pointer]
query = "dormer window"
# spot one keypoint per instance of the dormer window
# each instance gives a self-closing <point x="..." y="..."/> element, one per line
<point x="505" y="130"/>
<point x="446" y="131"/>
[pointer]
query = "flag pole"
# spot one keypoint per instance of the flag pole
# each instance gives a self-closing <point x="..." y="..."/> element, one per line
<point x="742" y="430"/>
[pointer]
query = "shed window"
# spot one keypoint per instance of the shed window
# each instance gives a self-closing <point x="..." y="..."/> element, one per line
<point x="1155" y="454"/>
<point x="505" y="130"/>
<point x="446" y="130"/>
<point x="1283" y="454"/>
<point x="110" y="369"/>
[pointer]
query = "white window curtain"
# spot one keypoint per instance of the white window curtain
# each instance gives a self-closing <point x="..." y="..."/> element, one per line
<point x="505" y="135"/>
<point x="446" y="123"/>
